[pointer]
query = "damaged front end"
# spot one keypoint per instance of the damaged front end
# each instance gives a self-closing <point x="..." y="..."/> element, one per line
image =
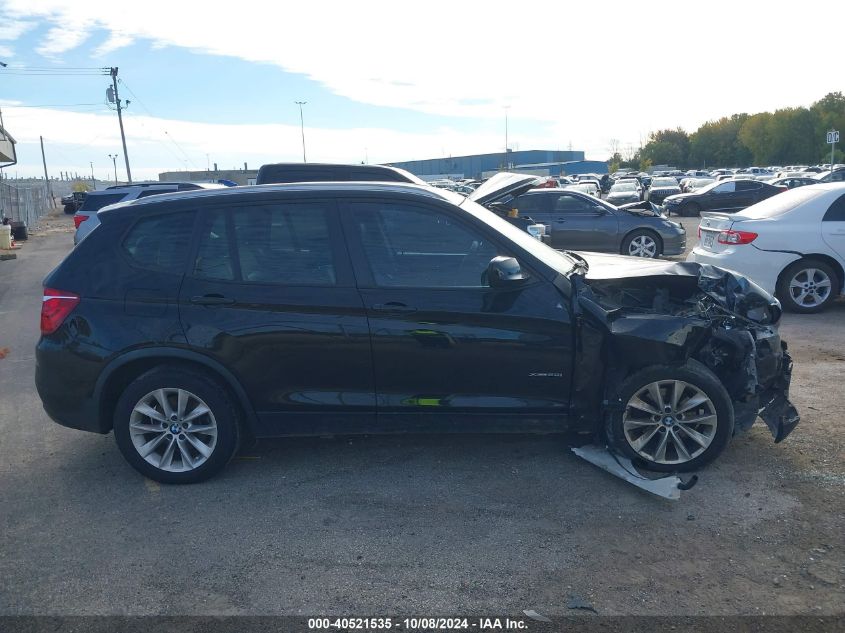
<point x="661" y="312"/>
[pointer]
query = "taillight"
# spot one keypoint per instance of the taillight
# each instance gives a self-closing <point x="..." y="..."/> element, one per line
<point x="55" y="308"/>
<point x="736" y="237"/>
<point x="79" y="219"/>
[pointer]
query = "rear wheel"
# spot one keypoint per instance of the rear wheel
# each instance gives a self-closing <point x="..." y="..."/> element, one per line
<point x="807" y="286"/>
<point x="641" y="244"/>
<point x="175" y="426"/>
<point x="672" y="418"/>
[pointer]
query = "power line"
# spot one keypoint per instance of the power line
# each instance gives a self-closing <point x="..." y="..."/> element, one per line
<point x="166" y="133"/>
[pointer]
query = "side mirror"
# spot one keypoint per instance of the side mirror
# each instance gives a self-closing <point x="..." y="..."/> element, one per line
<point x="504" y="271"/>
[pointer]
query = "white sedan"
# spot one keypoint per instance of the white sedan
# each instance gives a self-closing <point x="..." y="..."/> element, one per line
<point x="792" y="244"/>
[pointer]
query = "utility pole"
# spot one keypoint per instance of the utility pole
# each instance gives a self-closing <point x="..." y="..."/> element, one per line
<point x="120" y="120"/>
<point x="93" y="180"/>
<point x="302" y="127"/>
<point x="506" y="136"/>
<point x="114" y="162"/>
<point x="46" y="178"/>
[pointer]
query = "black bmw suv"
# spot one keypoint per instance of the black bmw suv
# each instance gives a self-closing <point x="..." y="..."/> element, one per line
<point x="188" y="322"/>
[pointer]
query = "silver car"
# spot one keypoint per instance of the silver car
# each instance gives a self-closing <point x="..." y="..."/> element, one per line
<point x="86" y="220"/>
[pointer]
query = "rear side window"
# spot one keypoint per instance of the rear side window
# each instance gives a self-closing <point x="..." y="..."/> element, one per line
<point x="836" y="211"/>
<point x="160" y="242"/>
<point x="97" y="202"/>
<point x="284" y="244"/>
<point x="748" y="186"/>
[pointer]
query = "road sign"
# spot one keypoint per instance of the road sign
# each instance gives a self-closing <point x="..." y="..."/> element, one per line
<point x="833" y="136"/>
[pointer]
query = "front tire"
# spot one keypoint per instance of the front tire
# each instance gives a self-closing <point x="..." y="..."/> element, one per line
<point x="807" y="286"/>
<point x="672" y="418"/>
<point x="175" y="426"/>
<point x="641" y="243"/>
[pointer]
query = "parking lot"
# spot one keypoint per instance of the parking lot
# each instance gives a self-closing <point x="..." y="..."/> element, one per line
<point x="414" y="524"/>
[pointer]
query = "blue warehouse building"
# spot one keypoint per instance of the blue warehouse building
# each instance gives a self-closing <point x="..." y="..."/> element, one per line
<point x="535" y="161"/>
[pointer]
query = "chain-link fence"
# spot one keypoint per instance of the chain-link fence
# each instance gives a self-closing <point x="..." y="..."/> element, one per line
<point x="24" y="203"/>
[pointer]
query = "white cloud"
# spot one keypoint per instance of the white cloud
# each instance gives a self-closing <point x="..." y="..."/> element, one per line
<point x="13" y="29"/>
<point x="6" y="51"/>
<point x="61" y="39"/>
<point x="588" y="74"/>
<point x="560" y="63"/>
<point x="114" y="42"/>
<point x="73" y="139"/>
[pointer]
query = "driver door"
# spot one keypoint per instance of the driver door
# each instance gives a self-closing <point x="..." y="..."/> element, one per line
<point x="446" y="346"/>
<point x="579" y="223"/>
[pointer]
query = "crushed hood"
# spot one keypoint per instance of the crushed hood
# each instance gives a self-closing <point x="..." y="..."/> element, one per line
<point x="733" y="291"/>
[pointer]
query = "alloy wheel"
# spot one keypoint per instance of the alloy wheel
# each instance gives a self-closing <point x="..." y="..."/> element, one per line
<point x="669" y="422"/>
<point x="173" y="430"/>
<point x="810" y="287"/>
<point x="642" y="246"/>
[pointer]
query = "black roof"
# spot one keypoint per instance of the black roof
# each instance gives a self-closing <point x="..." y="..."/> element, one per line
<point x="258" y="191"/>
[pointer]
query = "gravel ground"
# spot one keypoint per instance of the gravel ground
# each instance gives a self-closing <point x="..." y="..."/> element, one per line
<point x="417" y="524"/>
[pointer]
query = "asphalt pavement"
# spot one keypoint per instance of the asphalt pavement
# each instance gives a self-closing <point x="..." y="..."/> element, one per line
<point x="381" y="525"/>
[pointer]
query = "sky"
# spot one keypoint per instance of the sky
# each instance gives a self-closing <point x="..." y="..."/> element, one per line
<point x="216" y="82"/>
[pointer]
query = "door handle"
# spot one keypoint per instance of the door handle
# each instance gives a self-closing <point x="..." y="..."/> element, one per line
<point x="212" y="300"/>
<point x="393" y="306"/>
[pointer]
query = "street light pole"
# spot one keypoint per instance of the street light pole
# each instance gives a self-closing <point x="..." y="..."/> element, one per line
<point x="93" y="180"/>
<point x="302" y="127"/>
<point x="114" y="162"/>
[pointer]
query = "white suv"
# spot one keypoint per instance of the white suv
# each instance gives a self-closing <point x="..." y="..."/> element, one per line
<point x="792" y="244"/>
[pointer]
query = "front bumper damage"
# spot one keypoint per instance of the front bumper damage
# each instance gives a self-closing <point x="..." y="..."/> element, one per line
<point x="660" y="312"/>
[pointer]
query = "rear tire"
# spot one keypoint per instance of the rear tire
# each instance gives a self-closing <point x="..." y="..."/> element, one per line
<point x="807" y="286"/>
<point x="175" y="426"/>
<point x="671" y="418"/>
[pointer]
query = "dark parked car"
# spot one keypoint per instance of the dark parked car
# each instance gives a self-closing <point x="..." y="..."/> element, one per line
<point x="625" y="191"/>
<point x="661" y="188"/>
<point x="726" y="195"/>
<point x="190" y="322"/>
<point x="794" y="181"/>
<point x="579" y="221"/>
<point x="278" y="173"/>
<point x="836" y="175"/>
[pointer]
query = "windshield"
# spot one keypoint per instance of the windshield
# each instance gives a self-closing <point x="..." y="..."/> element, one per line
<point x="555" y="259"/>
<point x="664" y="182"/>
<point x="782" y="203"/>
<point x="623" y="186"/>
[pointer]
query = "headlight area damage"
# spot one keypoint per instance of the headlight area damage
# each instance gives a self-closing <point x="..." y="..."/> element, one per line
<point x="664" y="313"/>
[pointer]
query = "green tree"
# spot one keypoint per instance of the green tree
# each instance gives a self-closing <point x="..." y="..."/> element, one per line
<point x="667" y="147"/>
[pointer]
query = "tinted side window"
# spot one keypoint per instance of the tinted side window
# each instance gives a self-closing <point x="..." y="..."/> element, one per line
<point x="421" y="247"/>
<point x="531" y="203"/>
<point x="284" y="244"/>
<point x="572" y="204"/>
<point x="837" y="176"/>
<point x="748" y="186"/>
<point x="153" y="192"/>
<point x="95" y="203"/>
<point x="836" y="211"/>
<point x="160" y="242"/>
<point x="214" y="257"/>
<point x="725" y="187"/>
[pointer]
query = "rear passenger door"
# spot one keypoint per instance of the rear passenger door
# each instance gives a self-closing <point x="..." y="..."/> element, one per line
<point x="270" y="294"/>
<point x="747" y="193"/>
<point x="833" y="227"/>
